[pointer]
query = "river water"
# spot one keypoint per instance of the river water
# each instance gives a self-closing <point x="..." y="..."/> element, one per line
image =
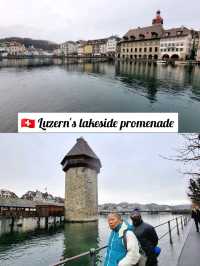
<point x="99" y="87"/>
<point x="42" y="248"/>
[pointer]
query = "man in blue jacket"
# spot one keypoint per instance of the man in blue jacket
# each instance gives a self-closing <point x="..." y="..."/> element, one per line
<point x="118" y="252"/>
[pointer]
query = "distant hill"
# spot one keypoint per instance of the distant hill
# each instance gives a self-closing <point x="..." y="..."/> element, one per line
<point x="124" y="206"/>
<point x="39" y="44"/>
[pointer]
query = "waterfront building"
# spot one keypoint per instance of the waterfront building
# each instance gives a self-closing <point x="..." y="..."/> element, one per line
<point x="31" y="51"/>
<point x="142" y="42"/>
<point x="98" y="46"/>
<point x="16" y="48"/>
<point x="111" y="45"/>
<point x="198" y="50"/>
<point x="68" y="48"/>
<point x="88" y="49"/>
<point x="81" y="166"/>
<point x="3" y="50"/>
<point x="95" y="47"/>
<point x="103" y="48"/>
<point x="80" y="47"/>
<point x="177" y="43"/>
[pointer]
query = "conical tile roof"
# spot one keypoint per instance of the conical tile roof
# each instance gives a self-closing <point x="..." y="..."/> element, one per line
<point x="81" y="148"/>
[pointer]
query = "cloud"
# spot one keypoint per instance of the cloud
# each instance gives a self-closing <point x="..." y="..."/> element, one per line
<point x="74" y="19"/>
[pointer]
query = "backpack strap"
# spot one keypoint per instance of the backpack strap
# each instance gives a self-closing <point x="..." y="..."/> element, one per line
<point x="125" y="239"/>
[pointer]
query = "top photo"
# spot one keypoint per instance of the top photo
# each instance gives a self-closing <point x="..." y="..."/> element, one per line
<point x="100" y="56"/>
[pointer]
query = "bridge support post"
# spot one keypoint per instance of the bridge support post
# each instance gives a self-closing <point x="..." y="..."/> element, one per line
<point x="182" y="222"/>
<point x="12" y="224"/>
<point x="46" y="222"/>
<point x="38" y="223"/>
<point x="170" y="233"/>
<point x="93" y="257"/>
<point x="177" y="226"/>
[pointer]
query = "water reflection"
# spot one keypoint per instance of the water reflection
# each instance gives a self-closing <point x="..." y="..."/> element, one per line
<point x="152" y="78"/>
<point x="67" y="86"/>
<point x="79" y="238"/>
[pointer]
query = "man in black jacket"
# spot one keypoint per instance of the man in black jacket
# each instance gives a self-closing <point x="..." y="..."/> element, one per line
<point x="196" y="216"/>
<point x="147" y="237"/>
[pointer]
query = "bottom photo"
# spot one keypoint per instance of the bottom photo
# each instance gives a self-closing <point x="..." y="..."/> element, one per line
<point x="100" y="199"/>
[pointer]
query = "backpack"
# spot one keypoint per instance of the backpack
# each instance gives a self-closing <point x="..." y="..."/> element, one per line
<point x="143" y="258"/>
<point x="141" y="251"/>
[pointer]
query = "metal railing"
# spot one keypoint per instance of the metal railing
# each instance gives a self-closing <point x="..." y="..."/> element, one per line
<point x="92" y="253"/>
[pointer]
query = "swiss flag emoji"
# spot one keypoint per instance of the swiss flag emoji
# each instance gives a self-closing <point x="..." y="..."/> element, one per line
<point x="27" y="123"/>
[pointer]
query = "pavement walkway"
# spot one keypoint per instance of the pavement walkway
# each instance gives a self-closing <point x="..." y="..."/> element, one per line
<point x="190" y="254"/>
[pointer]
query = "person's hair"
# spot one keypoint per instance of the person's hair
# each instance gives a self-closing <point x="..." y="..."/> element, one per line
<point x="117" y="215"/>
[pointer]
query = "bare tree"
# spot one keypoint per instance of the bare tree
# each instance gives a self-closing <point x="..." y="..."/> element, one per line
<point x="189" y="154"/>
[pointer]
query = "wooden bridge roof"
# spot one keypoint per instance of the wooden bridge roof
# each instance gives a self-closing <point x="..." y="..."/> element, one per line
<point x="17" y="203"/>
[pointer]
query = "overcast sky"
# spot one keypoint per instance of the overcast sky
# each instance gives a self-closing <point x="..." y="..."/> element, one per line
<point x="133" y="169"/>
<point x="63" y="20"/>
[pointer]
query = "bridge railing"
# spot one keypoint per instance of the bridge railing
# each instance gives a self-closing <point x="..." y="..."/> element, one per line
<point x="180" y="222"/>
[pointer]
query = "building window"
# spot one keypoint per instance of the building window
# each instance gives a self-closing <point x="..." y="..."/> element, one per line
<point x="181" y="49"/>
<point x="176" y="49"/>
<point x="127" y="50"/>
<point x="140" y="50"/>
<point x="168" y="49"/>
<point x="150" y="49"/>
<point x="156" y="49"/>
<point x="136" y="50"/>
<point x="131" y="50"/>
<point x="145" y="49"/>
<point x="124" y="50"/>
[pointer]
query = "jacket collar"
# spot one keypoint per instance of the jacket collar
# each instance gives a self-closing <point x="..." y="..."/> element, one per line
<point x="120" y="228"/>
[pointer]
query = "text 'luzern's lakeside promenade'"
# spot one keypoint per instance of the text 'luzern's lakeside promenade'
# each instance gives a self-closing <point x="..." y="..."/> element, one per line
<point x="153" y="42"/>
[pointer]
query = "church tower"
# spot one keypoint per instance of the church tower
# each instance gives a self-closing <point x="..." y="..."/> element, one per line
<point x="81" y="166"/>
<point x="158" y="19"/>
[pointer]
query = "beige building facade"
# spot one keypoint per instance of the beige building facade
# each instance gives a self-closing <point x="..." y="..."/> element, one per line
<point x="142" y="43"/>
<point x="176" y="44"/>
<point x="68" y="48"/>
<point x="144" y="49"/>
<point x="15" y="48"/>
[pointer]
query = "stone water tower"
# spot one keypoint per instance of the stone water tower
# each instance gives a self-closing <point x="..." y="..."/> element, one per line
<point x="81" y="166"/>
